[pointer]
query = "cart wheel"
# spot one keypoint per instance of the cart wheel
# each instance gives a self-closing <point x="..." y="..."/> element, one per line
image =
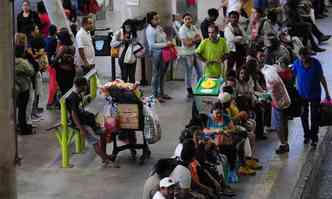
<point x="148" y="154"/>
<point x="142" y="159"/>
<point x="133" y="154"/>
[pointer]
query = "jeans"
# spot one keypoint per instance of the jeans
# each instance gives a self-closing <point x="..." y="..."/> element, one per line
<point x="304" y="30"/>
<point x="89" y="136"/>
<point x="22" y="102"/>
<point x="30" y="104"/>
<point x="190" y="62"/>
<point x="315" y="31"/>
<point x="159" y="69"/>
<point x="162" y="77"/>
<point x="310" y="133"/>
<point x="128" y="72"/>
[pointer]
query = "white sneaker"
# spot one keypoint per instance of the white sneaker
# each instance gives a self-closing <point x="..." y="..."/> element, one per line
<point x="268" y="129"/>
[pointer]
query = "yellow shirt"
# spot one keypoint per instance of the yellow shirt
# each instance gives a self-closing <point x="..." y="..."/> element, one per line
<point x="248" y="6"/>
<point x="232" y="110"/>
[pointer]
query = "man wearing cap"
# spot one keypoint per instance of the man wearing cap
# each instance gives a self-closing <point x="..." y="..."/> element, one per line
<point x="166" y="191"/>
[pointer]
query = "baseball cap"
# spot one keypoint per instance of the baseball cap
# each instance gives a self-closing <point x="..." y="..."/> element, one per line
<point x="224" y="97"/>
<point x="166" y="182"/>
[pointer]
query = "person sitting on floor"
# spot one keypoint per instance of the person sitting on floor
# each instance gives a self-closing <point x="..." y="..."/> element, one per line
<point x="166" y="191"/>
<point x="219" y="127"/>
<point x="241" y="118"/>
<point x="161" y="170"/>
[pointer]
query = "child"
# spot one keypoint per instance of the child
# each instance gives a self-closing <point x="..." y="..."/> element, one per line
<point x="219" y="129"/>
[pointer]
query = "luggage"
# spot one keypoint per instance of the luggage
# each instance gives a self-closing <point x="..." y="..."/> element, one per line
<point x="326" y="113"/>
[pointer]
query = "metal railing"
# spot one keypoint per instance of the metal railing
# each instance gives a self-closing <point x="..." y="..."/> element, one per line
<point x="64" y="133"/>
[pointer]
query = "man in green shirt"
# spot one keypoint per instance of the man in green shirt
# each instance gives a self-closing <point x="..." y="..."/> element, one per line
<point x="212" y="51"/>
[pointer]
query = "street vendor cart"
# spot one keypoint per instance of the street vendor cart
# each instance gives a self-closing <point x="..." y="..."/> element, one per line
<point x="124" y="116"/>
<point x="206" y="94"/>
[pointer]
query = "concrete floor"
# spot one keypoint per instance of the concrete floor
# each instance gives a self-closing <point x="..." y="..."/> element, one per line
<point x="40" y="176"/>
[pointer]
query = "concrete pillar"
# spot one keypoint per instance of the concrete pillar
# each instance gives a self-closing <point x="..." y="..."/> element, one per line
<point x="7" y="133"/>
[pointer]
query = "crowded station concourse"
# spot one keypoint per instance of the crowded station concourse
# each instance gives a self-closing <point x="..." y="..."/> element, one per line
<point x="258" y="79"/>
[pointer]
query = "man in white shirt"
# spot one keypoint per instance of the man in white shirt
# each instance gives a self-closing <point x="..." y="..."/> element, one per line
<point x="166" y="191"/>
<point x="190" y="37"/>
<point x="86" y="52"/>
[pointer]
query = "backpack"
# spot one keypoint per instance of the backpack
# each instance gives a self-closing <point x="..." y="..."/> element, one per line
<point x="67" y="56"/>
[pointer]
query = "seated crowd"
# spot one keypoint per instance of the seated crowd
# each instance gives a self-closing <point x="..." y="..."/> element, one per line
<point x="215" y="147"/>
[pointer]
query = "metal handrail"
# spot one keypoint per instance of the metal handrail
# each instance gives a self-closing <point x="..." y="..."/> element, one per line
<point x="64" y="134"/>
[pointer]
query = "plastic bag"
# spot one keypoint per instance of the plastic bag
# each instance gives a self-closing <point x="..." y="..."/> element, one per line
<point x="152" y="129"/>
<point x="111" y="116"/>
<point x="275" y="85"/>
<point x="130" y="57"/>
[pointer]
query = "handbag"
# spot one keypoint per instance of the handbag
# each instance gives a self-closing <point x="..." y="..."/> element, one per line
<point x="115" y="52"/>
<point x="139" y="50"/>
<point x="326" y="113"/>
<point x="168" y="54"/>
<point x="130" y="57"/>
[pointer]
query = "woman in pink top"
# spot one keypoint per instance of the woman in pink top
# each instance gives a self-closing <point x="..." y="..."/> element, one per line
<point x="44" y="19"/>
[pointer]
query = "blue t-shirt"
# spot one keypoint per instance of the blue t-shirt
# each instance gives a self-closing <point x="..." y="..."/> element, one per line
<point x="261" y="4"/>
<point x="212" y="124"/>
<point x="51" y="44"/>
<point x="308" y="79"/>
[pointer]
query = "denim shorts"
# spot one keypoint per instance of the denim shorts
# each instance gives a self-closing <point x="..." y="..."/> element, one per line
<point x="278" y="117"/>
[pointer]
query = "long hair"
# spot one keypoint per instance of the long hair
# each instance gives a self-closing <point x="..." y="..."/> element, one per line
<point x="41" y="7"/>
<point x="149" y="17"/>
<point x="132" y="25"/>
<point x="65" y="37"/>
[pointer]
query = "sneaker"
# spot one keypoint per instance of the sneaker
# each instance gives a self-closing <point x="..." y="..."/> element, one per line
<point x="228" y="192"/>
<point x="246" y="171"/>
<point x="160" y="100"/>
<point x="282" y="149"/>
<point x="306" y="141"/>
<point x="324" y="38"/>
<point x="27" y="131"/>
<point x="35" y="115"/>
<point x="100" y="153"/>
<point x="313" y="144"/>
<point x="261" y="137"/>
<point x="252" y="164"/>
<point x="190" y="93"/>
<point x="318" y="50"/>
<point x="268" y="129"/>
<point x="166" y="97"/>
<point x="39" y="110"/>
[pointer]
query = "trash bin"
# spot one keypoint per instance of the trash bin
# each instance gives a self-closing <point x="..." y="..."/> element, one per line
<point x="102" y="44"/>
